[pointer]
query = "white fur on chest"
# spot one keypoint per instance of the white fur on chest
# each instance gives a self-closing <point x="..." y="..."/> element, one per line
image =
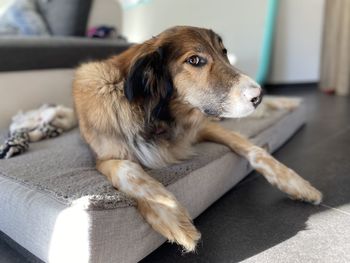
<point x="158" y="154"/>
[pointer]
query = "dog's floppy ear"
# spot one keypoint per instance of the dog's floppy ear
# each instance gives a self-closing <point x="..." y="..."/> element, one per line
<point x="149" y="81"/>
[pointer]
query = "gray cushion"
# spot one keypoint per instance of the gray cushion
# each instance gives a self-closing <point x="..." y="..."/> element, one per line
<point x="21" y="17"/>
<point x="66" y="17"/>
<point x="52" y="198"/>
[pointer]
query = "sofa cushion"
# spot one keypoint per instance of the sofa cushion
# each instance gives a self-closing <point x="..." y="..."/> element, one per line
<point x="66" y="17"/>
<point x="21" y="17"/>
<point x="56" y="205"/>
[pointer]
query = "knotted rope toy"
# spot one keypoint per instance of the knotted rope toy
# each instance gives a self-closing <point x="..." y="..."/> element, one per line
<point x="46" y="122"/>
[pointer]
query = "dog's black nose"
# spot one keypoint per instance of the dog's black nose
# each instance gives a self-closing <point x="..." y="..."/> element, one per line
<point x="253" y="93"/>
<point x="256" y="100"/>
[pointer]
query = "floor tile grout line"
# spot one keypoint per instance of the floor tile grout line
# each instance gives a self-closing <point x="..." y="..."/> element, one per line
<point x="336" y="209"/>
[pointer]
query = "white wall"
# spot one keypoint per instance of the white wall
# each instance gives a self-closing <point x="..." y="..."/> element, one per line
<point x="3" y="4"/>
<point x="105" y="12"/>
<point x="29" y="89"/>
<point x="239" y="22"/>
<point x="296" y="54"/>
<point x="297" y="46"/>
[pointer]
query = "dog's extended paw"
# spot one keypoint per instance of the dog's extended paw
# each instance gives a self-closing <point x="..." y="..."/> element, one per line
<point x="172" y="221"/>
<point x="298" y="188"/>
<point x="283" y="177"/>
<point x="305" y="191"/>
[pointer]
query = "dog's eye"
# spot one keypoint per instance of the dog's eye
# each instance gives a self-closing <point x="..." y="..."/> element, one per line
<point x="196" y="61"/>
<point x="224" y="51"/>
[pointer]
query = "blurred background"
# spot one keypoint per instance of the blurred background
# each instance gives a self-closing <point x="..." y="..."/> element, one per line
<point x="296" y="39"/>
<point x="277" y="42"/>
<point x="242" y="24"/>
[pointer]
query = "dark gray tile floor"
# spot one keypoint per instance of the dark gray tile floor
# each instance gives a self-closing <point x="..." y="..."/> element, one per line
<point x="256" y="223"/>
<point x="8" y="255"/>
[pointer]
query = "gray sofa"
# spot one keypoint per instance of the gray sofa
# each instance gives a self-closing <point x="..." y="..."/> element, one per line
<point x="39" y="69"/>
<point x="66" y="44"/>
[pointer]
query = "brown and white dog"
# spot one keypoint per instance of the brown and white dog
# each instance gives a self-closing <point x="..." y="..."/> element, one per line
<point x="146" y="108"/>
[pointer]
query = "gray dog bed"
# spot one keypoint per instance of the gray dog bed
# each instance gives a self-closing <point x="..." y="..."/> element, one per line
<point x="57" y="206"/>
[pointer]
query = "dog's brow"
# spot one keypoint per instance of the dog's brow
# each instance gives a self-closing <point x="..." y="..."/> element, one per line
<point x="199" y="49"/>
<point x="216" y="38"/>
<point x="219" y="39"/>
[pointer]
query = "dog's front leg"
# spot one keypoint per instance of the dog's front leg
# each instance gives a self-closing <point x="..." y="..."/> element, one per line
<point x="156" y="204"/>
<point x="275" y="172"/>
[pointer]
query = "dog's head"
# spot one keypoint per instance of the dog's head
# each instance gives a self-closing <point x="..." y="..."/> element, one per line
<point x="190" y="64"/>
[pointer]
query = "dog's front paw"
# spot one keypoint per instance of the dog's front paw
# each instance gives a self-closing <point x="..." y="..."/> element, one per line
<point x="171" y="220"/>
<point x="302" y="190"/>
<point x="283" y="177"/>
<point x="296" y="187"/>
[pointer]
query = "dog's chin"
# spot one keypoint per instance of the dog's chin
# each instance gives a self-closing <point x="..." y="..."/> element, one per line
<point x="238" y="111"/>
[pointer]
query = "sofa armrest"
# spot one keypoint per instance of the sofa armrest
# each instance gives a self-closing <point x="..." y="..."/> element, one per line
<point x="32" y="53"/>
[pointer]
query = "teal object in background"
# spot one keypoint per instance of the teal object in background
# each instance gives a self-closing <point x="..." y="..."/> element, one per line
<point x="128" y="4"/>
<point x="266" y="50"/>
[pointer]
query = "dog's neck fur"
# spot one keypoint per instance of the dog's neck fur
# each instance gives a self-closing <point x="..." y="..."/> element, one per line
<point x="185" y="117"/>
<point x="163" y="143"/>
